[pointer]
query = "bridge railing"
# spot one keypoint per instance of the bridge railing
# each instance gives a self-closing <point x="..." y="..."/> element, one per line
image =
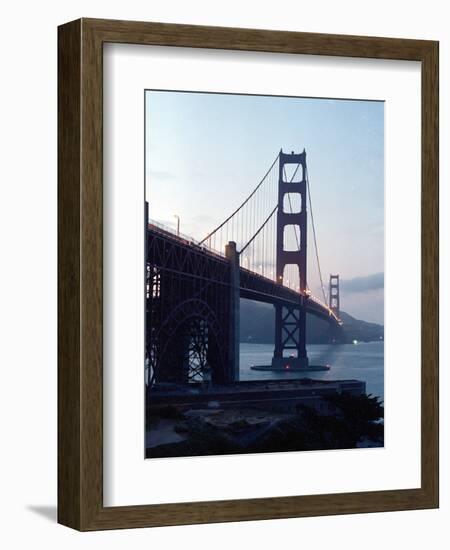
<point x="182" y="237"/>
<point x="326" y="306"/>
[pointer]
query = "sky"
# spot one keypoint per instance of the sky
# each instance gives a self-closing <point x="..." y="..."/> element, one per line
<point x="206" y="152"/>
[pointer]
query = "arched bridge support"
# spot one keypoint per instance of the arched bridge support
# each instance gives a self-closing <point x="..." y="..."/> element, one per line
<point x="187" y="312"/>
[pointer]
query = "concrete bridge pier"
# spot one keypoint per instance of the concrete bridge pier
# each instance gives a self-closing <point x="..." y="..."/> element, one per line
<point x="232" y="256"/>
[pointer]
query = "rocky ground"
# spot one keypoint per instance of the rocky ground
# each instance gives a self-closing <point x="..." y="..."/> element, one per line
<point x="357" y="422"/>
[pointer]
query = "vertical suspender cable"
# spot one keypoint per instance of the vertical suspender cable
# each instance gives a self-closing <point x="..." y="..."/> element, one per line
<point x="314" y="235"/>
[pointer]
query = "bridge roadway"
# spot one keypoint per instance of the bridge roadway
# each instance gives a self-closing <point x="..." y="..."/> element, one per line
<point x="253" y="286"/>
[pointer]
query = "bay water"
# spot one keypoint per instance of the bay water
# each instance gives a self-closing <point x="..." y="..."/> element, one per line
<point x="361" y="361"/>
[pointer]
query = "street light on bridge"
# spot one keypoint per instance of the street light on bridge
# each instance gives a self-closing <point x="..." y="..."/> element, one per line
<point x="178" y="224"/>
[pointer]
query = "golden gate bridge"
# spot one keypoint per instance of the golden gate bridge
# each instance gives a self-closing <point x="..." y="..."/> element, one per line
<point x="259" y="252"/>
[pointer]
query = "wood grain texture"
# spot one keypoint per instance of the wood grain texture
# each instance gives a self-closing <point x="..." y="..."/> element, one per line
<point x="69" y="245"/>
<point x="430" y="273"/>
<point x="80" y="397"/>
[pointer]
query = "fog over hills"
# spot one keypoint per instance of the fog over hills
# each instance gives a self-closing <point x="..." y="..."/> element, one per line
<point x="258" y="321"/>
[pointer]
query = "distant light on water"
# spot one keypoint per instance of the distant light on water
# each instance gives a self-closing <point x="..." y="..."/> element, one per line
<point x="355" y="342"/>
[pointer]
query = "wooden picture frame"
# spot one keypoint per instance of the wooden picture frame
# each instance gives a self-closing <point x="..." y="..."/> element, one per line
<point x="80" y="413"/>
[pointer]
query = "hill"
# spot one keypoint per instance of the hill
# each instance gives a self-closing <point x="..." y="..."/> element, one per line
<point x="258" y="321"/>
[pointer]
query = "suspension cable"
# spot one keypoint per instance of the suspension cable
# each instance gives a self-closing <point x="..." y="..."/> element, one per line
<point x="274" y="210"/>
<point x="243" y="203"/>
<point x="314" y="234"/>
<point x="259" y="230"/>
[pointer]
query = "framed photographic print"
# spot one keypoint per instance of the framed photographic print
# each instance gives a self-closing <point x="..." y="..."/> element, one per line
<point x="248" y="274"/>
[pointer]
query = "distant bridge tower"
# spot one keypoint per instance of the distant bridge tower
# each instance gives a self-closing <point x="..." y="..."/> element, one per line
<point x="334" y="295"/>
<point x="290" y="321"/>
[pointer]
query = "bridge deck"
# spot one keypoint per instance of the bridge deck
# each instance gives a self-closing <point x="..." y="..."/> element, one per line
<point x="253" y="286"/>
